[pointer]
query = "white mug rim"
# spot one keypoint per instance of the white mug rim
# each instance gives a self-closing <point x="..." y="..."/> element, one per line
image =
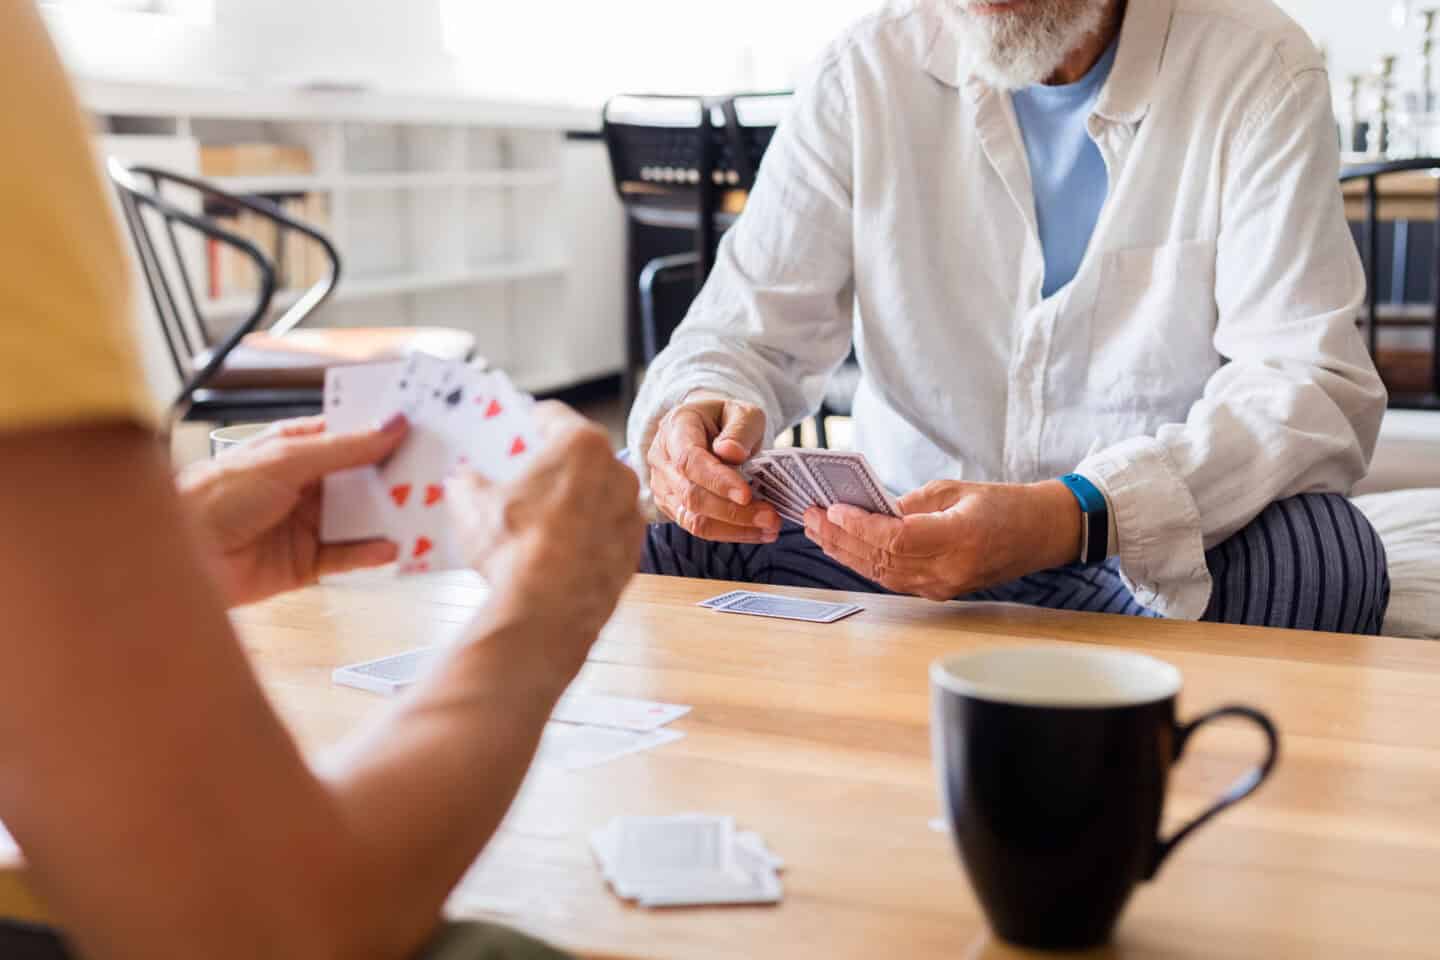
<point x="1165" y="678"/>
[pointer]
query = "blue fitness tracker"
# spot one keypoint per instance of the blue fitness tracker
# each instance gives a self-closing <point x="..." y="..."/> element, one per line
<point x="1095" y="532"/>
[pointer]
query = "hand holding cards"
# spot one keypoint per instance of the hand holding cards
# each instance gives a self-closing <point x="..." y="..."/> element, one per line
<point x="460" y="417"/>
<point x="795" y="480"/>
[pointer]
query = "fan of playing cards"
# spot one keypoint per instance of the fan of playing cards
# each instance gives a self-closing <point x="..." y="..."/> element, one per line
<point x="459" y="416"/>
<point x="792" y="481"/>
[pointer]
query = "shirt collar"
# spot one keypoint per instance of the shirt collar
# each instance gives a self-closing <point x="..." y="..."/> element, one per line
<point x="1127" y="95"/>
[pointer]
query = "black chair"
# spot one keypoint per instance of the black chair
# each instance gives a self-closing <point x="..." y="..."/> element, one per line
<point x="1409" y="389"/>
<point x="682" y="163"/>
<point x="247" y="374"/>
<point x="689" y="163"/>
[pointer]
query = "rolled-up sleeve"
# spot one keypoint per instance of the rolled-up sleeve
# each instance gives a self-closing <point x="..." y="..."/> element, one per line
<point x="774" y="319"/>
<point x="1298" y="405"/>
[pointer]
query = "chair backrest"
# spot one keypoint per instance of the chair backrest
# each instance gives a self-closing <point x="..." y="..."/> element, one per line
<point x="689" y="162"/>
<point x="162" y="211"/>
<point x="1372" y="253"/>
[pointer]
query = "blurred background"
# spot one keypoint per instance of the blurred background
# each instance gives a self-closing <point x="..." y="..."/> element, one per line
<point x="456" y="157"/>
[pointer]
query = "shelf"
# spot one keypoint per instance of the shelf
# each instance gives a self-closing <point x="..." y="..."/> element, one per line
<point x="239" y="101"/>
<point x="318" y="183"/>
<point x="383" y="286"/>
<point x="367" y="288"/>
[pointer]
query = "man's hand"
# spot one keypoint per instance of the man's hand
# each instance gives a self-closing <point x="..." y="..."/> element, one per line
<point x="559" y="544"/>
<point x="692" y="470"/>
<point x="258" y="507"/>
<point x="954" y="538"/>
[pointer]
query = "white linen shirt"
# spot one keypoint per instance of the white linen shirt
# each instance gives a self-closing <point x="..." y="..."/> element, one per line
<point x="1203" y="362"/>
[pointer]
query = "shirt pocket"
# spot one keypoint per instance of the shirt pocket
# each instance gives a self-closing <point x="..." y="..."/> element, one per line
<point x="1152" y="332"/>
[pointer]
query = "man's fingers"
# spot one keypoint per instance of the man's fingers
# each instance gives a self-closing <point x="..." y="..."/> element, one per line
<point x="686" y="445"/>
<point x="742" y="431"/>
<point x="889" y="579"/>
<point x="305" y="459"/>
<point x="718" y="531"/>
<point x="701" y="502"/>
<point x="298" y="427"/>
<point x="831" y="537"/>
<point x="344" y="557"/>
<point x="872" y="528"/>
<point x="701" y="467"/>
<point x="917" y="535"/>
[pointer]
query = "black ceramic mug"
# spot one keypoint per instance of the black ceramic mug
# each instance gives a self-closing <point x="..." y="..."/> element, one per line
<point x="1052" y="764"/>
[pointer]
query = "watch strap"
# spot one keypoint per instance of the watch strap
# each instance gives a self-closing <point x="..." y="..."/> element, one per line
<point x="1095" y="540"/>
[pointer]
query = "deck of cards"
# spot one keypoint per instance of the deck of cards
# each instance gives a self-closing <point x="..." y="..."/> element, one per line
<point x="460" y="417"/>
<point x="792" y="481"/>
<point x="689" y="860"/>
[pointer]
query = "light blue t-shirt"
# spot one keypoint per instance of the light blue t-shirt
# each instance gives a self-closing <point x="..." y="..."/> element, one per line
<point x="1066" y="168"/>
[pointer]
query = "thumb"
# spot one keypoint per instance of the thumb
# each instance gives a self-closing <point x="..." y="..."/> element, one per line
<point x="931" y="498"/>
<point x="302" y="460"/>
<point x="742" y="431"/>
<point x="464" y="492"/>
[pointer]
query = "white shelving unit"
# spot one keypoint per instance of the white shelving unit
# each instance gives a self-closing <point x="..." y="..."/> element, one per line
<point x="446" y="212"/>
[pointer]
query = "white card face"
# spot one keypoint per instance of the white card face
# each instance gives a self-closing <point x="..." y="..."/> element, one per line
<point x="685" y="860"/>
<point x="413" y="481"/>
<point x="578" y="748"/>
<point x="784" y="608"/>
<point x="503" y="442"/>
<point x="620" y="713"/>
<point x="651" y="846"/>
<point x="458" y="417"/>
<point x="354" y="400"/>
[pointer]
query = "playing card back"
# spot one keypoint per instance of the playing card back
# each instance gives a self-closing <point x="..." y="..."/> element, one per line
<point x="755" y="604"/>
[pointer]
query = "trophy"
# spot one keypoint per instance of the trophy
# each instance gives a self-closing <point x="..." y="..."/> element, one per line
<point x="1427" y="62"/>
<point x="1378" y="145"/>
<point x="1352" y="132"/>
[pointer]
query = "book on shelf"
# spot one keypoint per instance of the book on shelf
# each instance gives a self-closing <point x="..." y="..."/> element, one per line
<point x="254" y="160"/>
<point x="298" y="261"/>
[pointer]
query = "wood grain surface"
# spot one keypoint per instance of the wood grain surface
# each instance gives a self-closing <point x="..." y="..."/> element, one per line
<point x="817" y="736"/>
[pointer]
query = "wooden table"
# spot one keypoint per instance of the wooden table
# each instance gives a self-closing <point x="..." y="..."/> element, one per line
<point x="817" y="737"/>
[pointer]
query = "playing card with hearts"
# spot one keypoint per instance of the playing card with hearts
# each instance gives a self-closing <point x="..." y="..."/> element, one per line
<point x="459" y="417"/>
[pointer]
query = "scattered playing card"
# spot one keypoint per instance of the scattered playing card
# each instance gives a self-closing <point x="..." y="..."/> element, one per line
<point x="578" y="747"/>
<point x="792" y="481"/>
<point x="785" y="608"/>
<point x="391" y="675"/>
<point x="686" y="860"/>
<point x="620" y="713"/>
<point x="388" y="675"/>
<point x="723" y="599"/>
<point x="459" y="417"/>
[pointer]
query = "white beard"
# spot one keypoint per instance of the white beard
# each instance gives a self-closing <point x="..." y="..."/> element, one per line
<point x="1009" y="51"/>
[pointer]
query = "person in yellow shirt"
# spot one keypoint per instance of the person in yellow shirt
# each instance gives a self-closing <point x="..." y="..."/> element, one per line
<point x="162" y="809"/>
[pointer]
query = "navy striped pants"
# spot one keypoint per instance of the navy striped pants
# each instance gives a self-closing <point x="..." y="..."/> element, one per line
<point x="1311" y="562"/>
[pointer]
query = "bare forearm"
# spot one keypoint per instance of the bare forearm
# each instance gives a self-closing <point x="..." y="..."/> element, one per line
<point x="428" y="785"/>
<point x="151" y="785"/>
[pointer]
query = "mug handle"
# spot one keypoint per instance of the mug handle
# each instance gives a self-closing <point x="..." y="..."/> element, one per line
<point x="1239" y="790"/>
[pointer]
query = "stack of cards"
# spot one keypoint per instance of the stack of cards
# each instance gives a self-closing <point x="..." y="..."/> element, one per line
<point x="459" y="417"/>
<point x="688" y="860"/>
<point x="792" y="481"/>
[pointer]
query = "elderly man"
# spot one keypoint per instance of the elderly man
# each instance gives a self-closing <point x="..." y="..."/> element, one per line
<point x="1093" y="258"/>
